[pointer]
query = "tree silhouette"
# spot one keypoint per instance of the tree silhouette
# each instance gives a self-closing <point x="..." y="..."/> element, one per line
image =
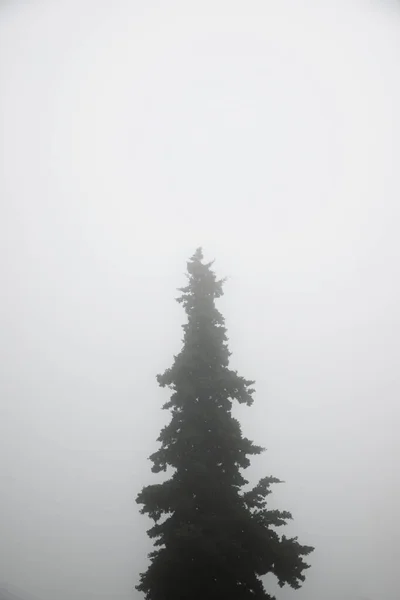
<point x="213" y="539"/>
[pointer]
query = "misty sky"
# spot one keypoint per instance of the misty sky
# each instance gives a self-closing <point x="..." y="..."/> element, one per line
<point x="133" y="132"/>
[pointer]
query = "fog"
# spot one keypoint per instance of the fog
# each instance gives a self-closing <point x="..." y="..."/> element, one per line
<point x="133" y="132"/>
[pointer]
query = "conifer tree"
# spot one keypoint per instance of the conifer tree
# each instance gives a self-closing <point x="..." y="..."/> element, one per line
<point x="213" y="539"/>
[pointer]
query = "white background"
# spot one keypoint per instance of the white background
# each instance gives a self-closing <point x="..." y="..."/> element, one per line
<point x="132" y="132"/>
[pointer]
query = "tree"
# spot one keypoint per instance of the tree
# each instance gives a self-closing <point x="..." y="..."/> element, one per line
<point x="213" y="539"/>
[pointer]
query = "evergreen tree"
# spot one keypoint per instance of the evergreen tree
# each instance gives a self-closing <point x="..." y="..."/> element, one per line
<point x="213" y="539"/>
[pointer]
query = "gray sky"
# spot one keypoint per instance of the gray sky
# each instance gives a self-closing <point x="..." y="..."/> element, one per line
<point x="269" y="133"/>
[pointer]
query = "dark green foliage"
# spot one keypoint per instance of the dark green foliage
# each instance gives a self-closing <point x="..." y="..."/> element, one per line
<point x="213" y="540"/>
